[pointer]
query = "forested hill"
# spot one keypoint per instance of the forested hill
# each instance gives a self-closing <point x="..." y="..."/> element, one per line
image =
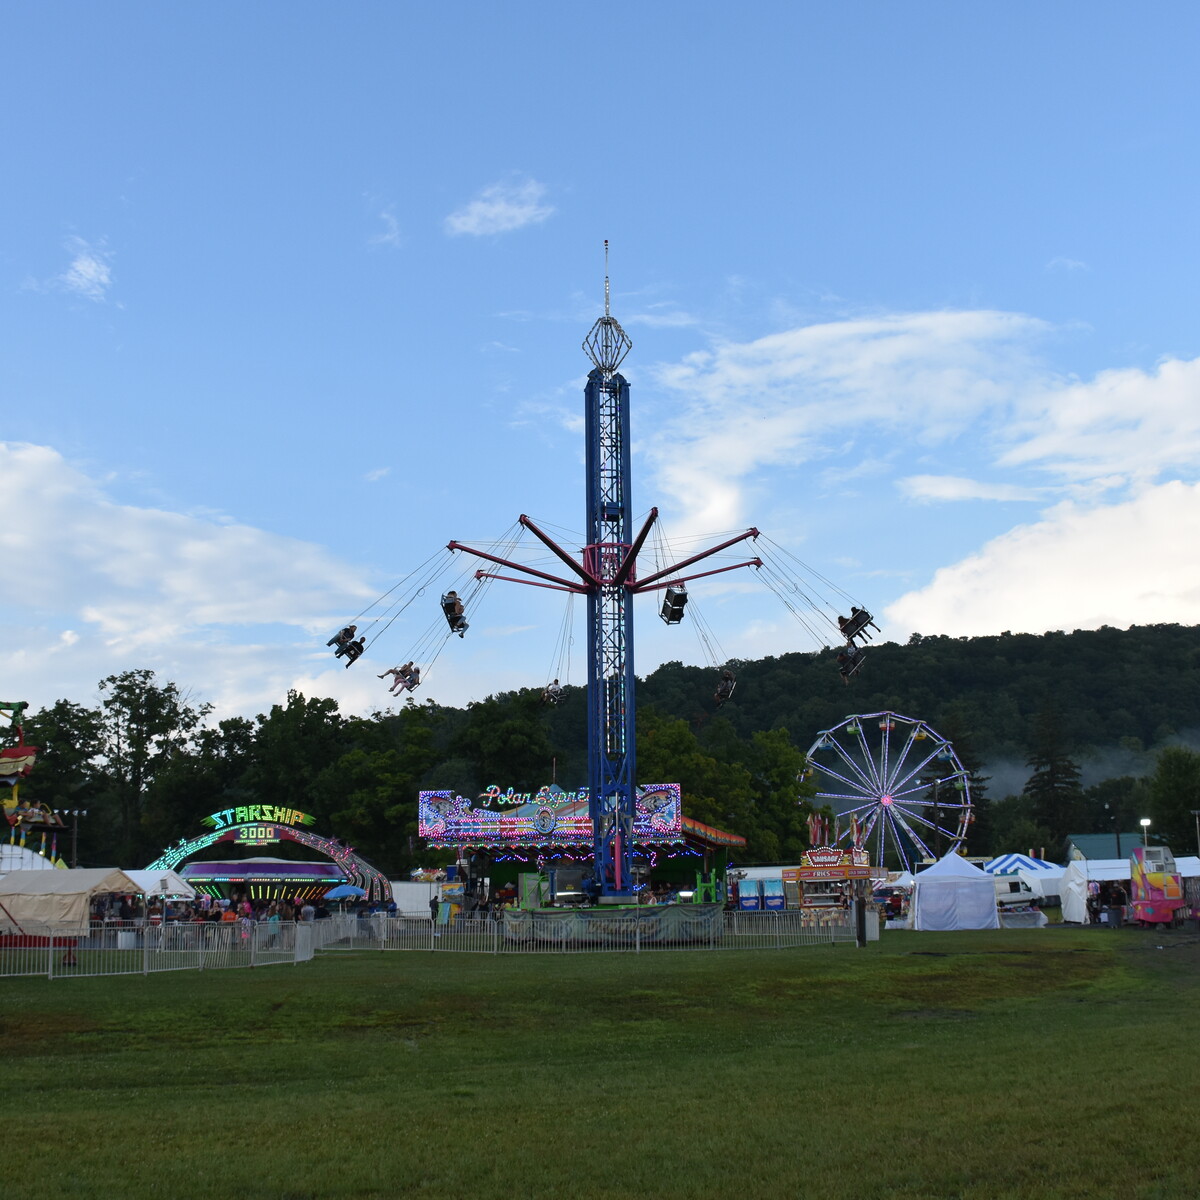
<point x="1132" y="688"/>
<point x="1061" y="723"/>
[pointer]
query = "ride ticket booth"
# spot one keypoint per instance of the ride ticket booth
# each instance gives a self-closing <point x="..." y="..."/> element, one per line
<point x="826" y="879"/>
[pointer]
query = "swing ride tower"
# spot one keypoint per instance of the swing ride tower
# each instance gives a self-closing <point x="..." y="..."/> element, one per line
<point x="609" y="558"/>
<point x="607" y="575"/>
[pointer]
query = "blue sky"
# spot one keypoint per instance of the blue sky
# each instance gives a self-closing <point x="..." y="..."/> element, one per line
<point x="293" y="294"/>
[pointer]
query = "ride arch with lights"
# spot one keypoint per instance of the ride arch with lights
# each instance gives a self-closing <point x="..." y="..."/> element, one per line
<point x="256" y="826"/>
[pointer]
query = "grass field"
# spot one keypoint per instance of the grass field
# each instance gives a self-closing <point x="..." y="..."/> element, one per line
<point x="1047" y="1063"/>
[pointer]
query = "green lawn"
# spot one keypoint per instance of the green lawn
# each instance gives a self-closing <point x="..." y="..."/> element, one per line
<point x="1047" y="1063"/>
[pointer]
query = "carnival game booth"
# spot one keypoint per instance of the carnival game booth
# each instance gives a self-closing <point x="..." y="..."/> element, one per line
<point x="255" y="826"/>
<point x="549" y="834"/>
<point x="954" y="894"/>
<point x="1084" y="877"/>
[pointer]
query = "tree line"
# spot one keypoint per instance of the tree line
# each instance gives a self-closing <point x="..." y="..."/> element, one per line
<point x="148" y="763"/>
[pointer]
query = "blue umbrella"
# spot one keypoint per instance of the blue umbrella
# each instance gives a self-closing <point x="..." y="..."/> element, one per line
<point x="342" y="891"/>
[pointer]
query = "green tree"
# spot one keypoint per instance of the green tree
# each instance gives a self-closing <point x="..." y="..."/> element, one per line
<point x="293" y="744"/>
<point x="1053" y="789"/>
<point x="1174" y="797"/>
<point x="145" y="727"/>
<point x="68" y="773"/>
<point x="506" y="740"/>
<point x="372" y="789"/>
<point x="714" y="792"/>
<point x="1015" y="830"/>
<point x="212" y="776"/>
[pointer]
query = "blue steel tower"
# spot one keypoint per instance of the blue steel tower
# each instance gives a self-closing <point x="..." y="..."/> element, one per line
<point x="609" y="559"/>
<point x="607" y="576"/>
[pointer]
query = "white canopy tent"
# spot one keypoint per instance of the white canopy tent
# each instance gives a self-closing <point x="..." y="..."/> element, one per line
<point x="162" y="883"/>
<point x="1044" y="882"/>
<point x="1188" y="866"/>
<point x="58" y="898"/>
<point x="1073" y="888"/>
<point x="1042" y="878"/>
<point x="954" y="894"/>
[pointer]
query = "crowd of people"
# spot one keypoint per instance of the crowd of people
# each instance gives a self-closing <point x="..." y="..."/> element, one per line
<point x="205" y="909"/>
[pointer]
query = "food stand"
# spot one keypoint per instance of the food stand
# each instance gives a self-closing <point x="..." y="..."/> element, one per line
<point x="827" y="878"/>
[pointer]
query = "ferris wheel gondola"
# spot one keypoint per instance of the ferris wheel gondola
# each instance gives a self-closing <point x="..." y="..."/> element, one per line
<point x="904" y="790"/>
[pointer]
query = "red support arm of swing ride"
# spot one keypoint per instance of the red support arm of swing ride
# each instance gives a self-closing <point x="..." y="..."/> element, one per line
<point x="644" y="584"/>
<point x="515" y="566"/>
<point x="666" y="583"/>
<point x="555" y="548"/>
<point x="574" y="589"/>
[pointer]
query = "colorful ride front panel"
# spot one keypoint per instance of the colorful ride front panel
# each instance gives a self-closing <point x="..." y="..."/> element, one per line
<point x="546" y="819"/>
<point x="1157" y="887"/>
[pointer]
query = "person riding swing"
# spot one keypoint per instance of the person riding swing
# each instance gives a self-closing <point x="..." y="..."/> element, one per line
<point x="342" y="639"/>
<point x="452" y="607"/>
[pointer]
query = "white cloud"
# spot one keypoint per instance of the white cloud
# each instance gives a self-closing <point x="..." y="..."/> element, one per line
<point x="391" y="235"/>
<point x="89" y="274"/>
<point x="660" y="316"/>
<point x="1059" y="263"/>
<point x="501" y="208"/>
<point x="94" y="586"/>
<point x="1127" y="423"/>
<point x="377" y="474"/>
<point x="1080" y="567"/>
<point x="952" y="487"/>
<point x="783" y="399"/>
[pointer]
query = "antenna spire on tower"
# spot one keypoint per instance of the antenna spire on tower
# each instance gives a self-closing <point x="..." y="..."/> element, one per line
<point x="606" y="312"/>
<point x="607" y="344"/>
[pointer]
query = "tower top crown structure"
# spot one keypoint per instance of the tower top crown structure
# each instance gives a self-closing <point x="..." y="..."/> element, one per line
<point x="607" y="344"/>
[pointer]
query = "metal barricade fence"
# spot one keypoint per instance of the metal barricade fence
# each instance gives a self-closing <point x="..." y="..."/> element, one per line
<point x="136" y="948"/>
<point x="27" y="951"/>
<point x="128" y="948"/>
<point x="567" y="932"/>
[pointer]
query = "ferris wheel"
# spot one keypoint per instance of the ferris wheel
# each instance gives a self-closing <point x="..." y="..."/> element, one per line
<point x="896" y="782"/>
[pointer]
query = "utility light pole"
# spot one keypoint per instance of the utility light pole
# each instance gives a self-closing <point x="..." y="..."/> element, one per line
<point x="74" y="814"/>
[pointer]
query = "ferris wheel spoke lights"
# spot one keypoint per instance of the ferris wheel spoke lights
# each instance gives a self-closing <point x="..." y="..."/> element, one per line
<point x="893" y="787"/>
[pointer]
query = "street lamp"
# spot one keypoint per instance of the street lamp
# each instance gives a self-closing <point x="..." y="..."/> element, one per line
<point x="1145" y="824"/>
<point x="74" y="814"/>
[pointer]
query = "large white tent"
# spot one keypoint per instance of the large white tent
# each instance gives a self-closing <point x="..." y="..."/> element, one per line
<point x="58" y="898"/>
<point x="954" y="894"/>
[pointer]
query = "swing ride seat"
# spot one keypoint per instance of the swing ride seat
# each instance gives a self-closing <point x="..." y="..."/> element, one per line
<point x="724" y="691"/>
<point x="852" y="661"/>
<point x="857" y="624"/>
<point x="674" y="602"/>
<point x="452" y="611"/>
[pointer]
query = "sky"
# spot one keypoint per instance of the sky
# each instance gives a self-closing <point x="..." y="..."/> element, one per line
<point x="293" y="294"/>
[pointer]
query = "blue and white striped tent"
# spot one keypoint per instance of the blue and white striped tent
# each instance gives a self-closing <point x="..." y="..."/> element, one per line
<point x="1010" y="864"/>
